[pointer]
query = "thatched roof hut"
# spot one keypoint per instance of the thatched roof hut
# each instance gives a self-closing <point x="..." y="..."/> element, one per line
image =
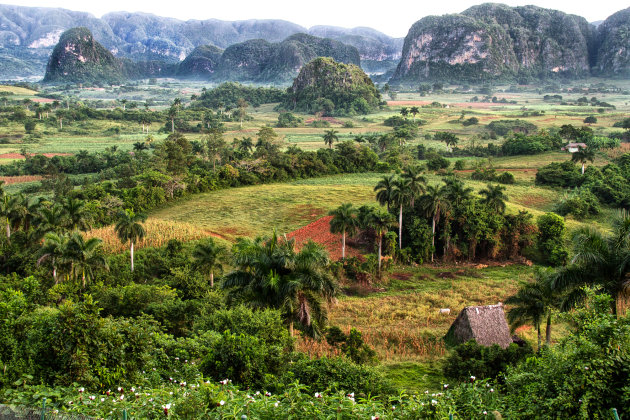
<point x="486" y="324"/>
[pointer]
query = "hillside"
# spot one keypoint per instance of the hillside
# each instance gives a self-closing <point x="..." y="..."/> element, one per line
<point x="330" y="88"/>
<point x="79" y="58"/>
<point x="495" y="41"/>
<point x="613" y="55"/>
<point x="201" y="63"/>
<point x="260" y="61"/>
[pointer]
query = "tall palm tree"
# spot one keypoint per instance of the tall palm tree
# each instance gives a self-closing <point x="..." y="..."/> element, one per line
<point x="401" y="196"/>
<point x="434" y="204"/>
<point x="246" y="145"/>
<point x="51" y="219"/>
<point x="172" y="113"/>
<point x="344" y="221"/>
<point x="129" y="228"/>
<point x="494" y="197"/>
<point x="534" y="302"/>
<point x="84" y="256"/>
<point x="582" y="156"/>
<point x="381" y="221"/>
<point x="414" y="110"/>
<point x="270" y="273"/>
<point x="456" y="191"/>
<point x="384" y="189"/>
<point x="53" y="250"/>
<point x="76" y="214"/>
<point x="13" y="210"/>
<point x="416" y="182"/>
<point x="330" y="136"/>
<point x="598" y="260"/>
<point x="208" y="256"/>
<point x="404" y="111"/>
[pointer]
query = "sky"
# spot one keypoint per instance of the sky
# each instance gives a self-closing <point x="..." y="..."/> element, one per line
<point x="391" y="17"/>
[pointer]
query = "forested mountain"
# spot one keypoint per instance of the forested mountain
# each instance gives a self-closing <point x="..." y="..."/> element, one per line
<point x="492" y="41"/>
<point x="613" y="54"/>
<point x="28" y="34"/>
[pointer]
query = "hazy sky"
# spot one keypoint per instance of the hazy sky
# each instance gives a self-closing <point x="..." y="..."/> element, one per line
<point x="391" y="17"/>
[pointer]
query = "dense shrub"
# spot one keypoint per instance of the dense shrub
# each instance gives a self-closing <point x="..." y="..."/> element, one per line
<point x="504" y="127"/>
<point x="579" y="203"/>
<point x="550" y="240"/>
<point x="287" y="119"/>
<point x="564" y="174"/>
<point x="472" y="359"/>
<point x="506" y="178"/>
<point x="519" y="144"/>
<point x="436" y="162"/>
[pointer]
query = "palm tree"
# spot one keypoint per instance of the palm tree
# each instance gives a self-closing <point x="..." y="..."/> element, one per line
<point x="598" y="260"/>
<point x="434" y="204"/>
<point x="404" y="111"/>
<point x="582" y="156"/>
<point x="380" y="220"/>
<point x="414" y="111"/>
<point x="76" y="213"/>
<point x="534" y="302"/>
<point x="84" y="256"/>
<point x="246" y="145"/>
<point x="208" y="256"/>
<point x="494" y="197"/>
<point x="456" y="191"/>
<point x="14" y="212"/>
<point x="416" y="182"/>
<point x="51" y="219"/>
<point x="129" y="228"/>
<point x="330" y="136"/>
<point x="401" y="195"/>
<point x="54" y="249"/>
<point x="269" y="273"/>
<point x="172" y="113"/>
<point x="344" y="221"/>
<point x="384" y="189"/>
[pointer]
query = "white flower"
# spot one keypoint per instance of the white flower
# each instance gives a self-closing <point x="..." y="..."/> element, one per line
<point x="445" y="386"/>
<point x="122" y="397"/>
<point x="177" y="358"/>
<point x="485" y="413"/>
<point x="585" y="367"/>
<point x="221" y="402"/>
<point x="276" y="404"/>
<point x="351" y="395"/>
<point x="133" y="389"/>
<point x="491" y="389"/>
<point x="267" y="394"/>
<point x="318" y="395"/>
<point x="426" y="392"/>
<point x="92" y="397"/>
<point x="120" y="389"/>
<point x="433" y="402"/>
<point x="81" y="389"/>
<point x="102" y="399"/>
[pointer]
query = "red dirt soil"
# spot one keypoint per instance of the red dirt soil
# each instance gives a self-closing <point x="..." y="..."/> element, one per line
<point x="8" y="180"/>
<point x="20" y="156"/>
<point x="43" y="100"/>
<point x="319" y="231"/>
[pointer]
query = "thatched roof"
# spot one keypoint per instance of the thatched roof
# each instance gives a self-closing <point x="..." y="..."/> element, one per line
<point x="486" y="324"/>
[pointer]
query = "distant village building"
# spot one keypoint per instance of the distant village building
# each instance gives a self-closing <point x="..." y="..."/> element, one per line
<point x="485" y="324"/>
<point x="574" y="147"/>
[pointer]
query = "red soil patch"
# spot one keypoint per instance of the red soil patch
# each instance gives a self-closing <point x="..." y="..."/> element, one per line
<point x="404" y="103"/>
<point x="8" y="180"/>
<point x="319" y="231"/>
<point x="20" y="156"/>
<point x="43" y="100"/>
<point x="328" y="119"/>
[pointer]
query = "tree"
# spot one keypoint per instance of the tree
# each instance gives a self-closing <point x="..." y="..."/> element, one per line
<point x="456" y="192"/>
<point x="534" y="302"/>
<point x="51" y="219"/>
<point x="13" y="211"/>
<point x="401" y="195"/>
<point x="449" y="139"/>
<point x="434" y="204"/>
<point x="330" y="136"/>
<point x="270" y="273"/>
<point x="598" y="260"/>
<point x="590" y="120"/>
<point x="208" y="256"/>
<point x="582" y="156"/>
<point x="76" y="214"/>
<point x="416" y="182"/>
<point x="129" y="228"/>
<point x="380" y="220"/>
<point x="84" y="257"/>
<point x="53" y="250"/>
<point x="384" y="189"/>
<point x="242" y="106"/>
<point x="414" y="111"/>
<point x="172" y="113"/>
<point x="494" y="197"/>
<point x="404" y="111"/>
<point x="344" y="220"/>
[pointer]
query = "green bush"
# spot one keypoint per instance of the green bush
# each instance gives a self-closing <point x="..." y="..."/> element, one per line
<point x="564" y="174"/>
<point x="506" y="178"/>
<point x="436" y="162"/>
<point x="482" y="362"/>
<point x="287" y="120"/>
<point x="550" y="240"/>
<point x="460" y="165"/>
<point x="579" y="203"/>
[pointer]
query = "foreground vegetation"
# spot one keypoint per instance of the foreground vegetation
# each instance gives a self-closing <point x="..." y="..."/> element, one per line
<point x="162" y="266"/>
